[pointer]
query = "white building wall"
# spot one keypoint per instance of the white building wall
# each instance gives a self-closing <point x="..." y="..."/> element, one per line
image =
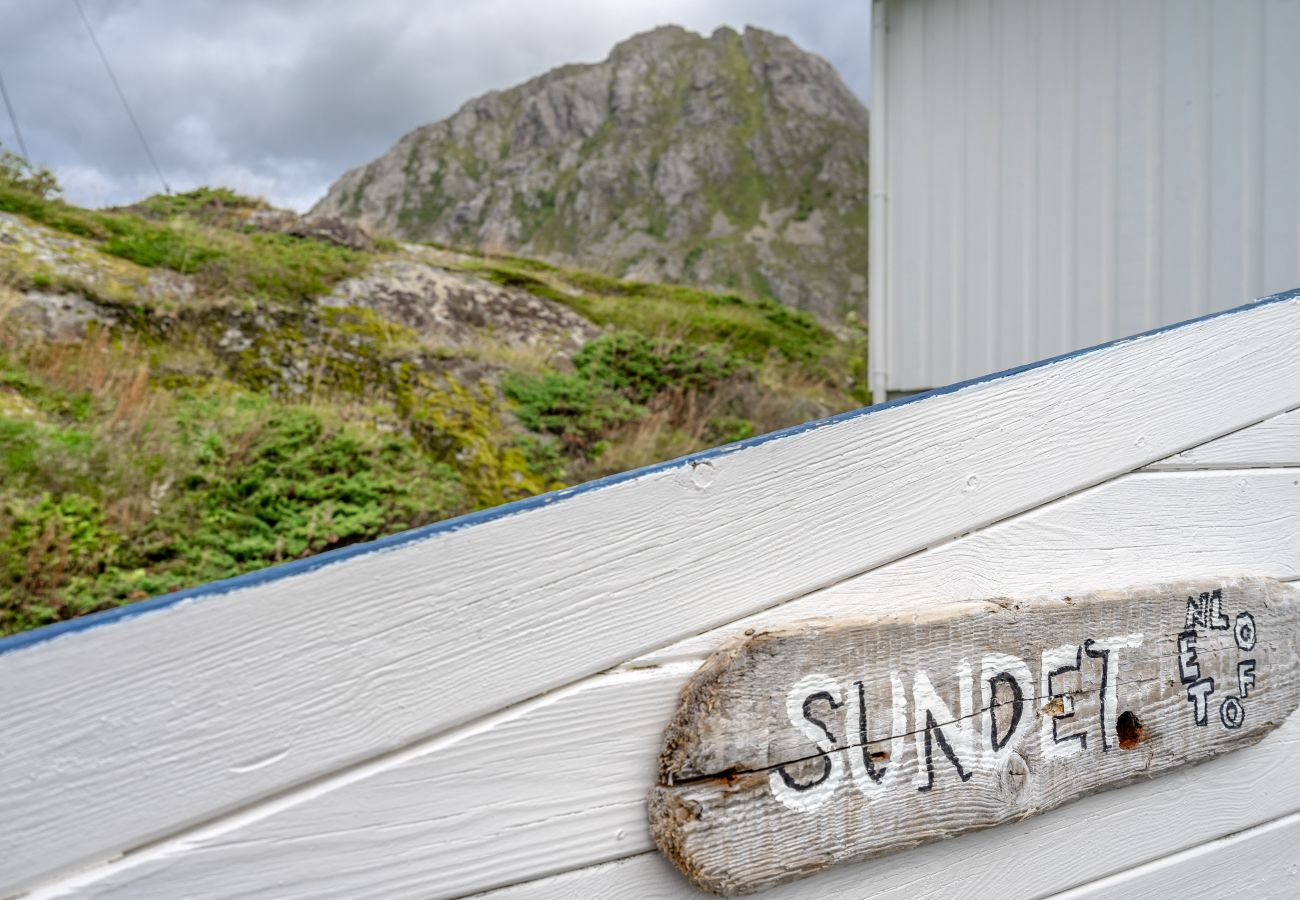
<point x="477" y="707"/>
<point x="1051" y="174"/>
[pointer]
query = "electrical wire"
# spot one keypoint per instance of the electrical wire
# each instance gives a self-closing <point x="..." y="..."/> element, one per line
<point x="13" y="118"/>
<point x="122" y="96"/>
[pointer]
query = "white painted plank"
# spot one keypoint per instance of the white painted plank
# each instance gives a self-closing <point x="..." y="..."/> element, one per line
<point x="1090" y="839"/>
<point x="647" y="876"/>
<point x="1273" y="442"/>
<point x="493" y="793"/>
<point x="1259" y="863"/>
<point x="554" y="784"/>
<point x="1143" y="528"/>
<point x="191" y="709"/>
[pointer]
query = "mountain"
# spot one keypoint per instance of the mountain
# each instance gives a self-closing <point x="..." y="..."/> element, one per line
<point x="737" y="162"/>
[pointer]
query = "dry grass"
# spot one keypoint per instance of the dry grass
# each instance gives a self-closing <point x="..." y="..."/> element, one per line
<point x="682" y="422"/>
<point x="531" y="358"/>
<point x="130" y="418"/>
<point x="114" y="373"/>
<point x="10" y="300"/>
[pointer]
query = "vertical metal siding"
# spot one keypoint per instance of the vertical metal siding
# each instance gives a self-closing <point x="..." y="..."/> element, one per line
<point x="1057" y="173"/>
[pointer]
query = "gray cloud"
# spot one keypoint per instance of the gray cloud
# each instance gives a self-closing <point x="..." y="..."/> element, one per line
<point x="279" y="98"/>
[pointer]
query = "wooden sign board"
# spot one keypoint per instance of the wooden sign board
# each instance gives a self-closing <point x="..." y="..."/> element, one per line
<point x="832" y="741"/>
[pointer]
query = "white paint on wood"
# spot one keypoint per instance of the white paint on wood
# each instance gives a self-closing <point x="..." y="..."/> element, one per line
<point x="1260" y="863"/>
<point x="540" y="788"/>
<point x="1094" y="838"/>
<point x="1274" y="442"/>
<point x="1115" y="532"/>
<point x="1140" y="528"/>
<point x="719" y="812"/>
<point x="162" y="716"/>
<point x="1127" y="828"/>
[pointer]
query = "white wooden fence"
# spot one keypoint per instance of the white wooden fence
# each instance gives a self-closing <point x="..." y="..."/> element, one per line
<point x="477" y="706"/>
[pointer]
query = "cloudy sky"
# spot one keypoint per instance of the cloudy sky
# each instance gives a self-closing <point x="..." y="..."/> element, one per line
<point x="280" y="97"/>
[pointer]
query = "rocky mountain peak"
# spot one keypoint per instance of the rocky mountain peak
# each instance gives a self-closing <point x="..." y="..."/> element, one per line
<point x="735" y="161"/>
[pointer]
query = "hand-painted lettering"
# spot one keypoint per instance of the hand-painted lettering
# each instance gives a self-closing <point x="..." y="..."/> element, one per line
<point x="1244" y="631"/>
<point x="1245" y="677"/>
<point x="1007" y="689"/>
<point x="810" y="703"/>
<point x="1198" y="694"/>
<point x="1059" y="662"/>
<point x="1232" y="712"/>
<point x="1188" y="670"/>
<point x="1076" y="700"/>
<point x="1017" y="704"/>
<point x="869" y="776"/>
<point x="1207" y="612"/>
<point x="957" y="742"/>
<point x="1107" y="650"/>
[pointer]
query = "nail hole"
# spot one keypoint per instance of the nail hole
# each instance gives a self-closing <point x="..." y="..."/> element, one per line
<point x="879" y="754"/>
<point x="1130" y="730"/>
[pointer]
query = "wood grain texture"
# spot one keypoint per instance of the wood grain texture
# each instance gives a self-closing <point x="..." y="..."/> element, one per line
<point x="191" y="711"/>
<point x="965" y="715"/>
<point x="1272" y="443"/>
<point x="1262" y="863"/>
<point x="1143" y="527"/>
<point x="1119" y="530"/>
<point x="551" y="785"/>
<point x="1094" y="838"/>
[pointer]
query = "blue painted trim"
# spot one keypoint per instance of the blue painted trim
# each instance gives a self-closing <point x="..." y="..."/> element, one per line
<point x="302" y="566"/>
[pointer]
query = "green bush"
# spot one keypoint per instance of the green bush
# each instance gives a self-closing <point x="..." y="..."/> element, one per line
<point x="18" y="174"/>
<point x="569" y="405"/>
<point x="155" y="246"/>
<point x="638" y="368"/>
<point x="44" y="546"/>
<point x="253" y="483"/>
<point x="196" y="202"/>
<point x="299" y="487"/>
<point x="616" y="376"/>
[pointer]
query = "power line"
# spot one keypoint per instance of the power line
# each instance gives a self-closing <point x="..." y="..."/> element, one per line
<point x="122" y="96"/>
<point x="13" y="117"/>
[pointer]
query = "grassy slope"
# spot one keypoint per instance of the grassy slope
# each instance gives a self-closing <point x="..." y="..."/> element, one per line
<point x="144" y="458"/>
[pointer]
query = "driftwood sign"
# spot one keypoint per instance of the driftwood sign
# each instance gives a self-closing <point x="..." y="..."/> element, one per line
<point x="797" y="749"/>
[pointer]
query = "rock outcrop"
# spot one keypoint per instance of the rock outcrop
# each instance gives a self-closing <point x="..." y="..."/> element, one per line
<point x="737" y="162"/>
<point x="332" y="230"/>
<point x="454" y="309"/>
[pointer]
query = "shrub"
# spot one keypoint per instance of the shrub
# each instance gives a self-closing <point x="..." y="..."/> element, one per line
<point x="569" y="405"/>
<point x="18" y="174"/>
<point x="89" y="519"/>
<point x="616" y="376"/>
<point x="639" y="368"/>
<point x="199" y="200"/>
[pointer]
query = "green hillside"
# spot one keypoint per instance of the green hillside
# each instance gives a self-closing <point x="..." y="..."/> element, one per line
<point x="199" y="386"/>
